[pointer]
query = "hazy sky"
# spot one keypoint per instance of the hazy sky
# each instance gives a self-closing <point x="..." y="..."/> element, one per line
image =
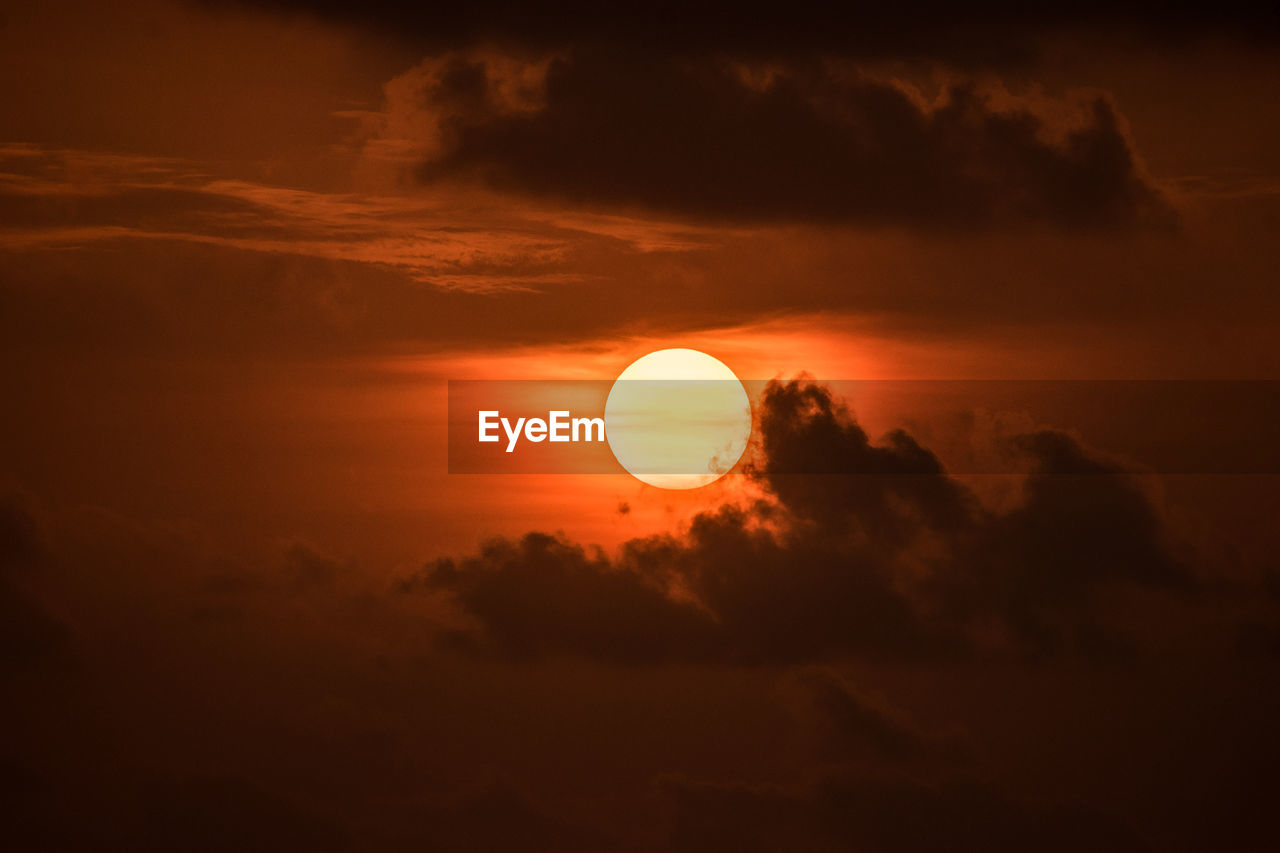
<point x="243" y="247"/>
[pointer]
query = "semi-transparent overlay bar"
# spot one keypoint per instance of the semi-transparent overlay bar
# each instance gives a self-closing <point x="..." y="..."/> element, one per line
<point x="972" y="426"/>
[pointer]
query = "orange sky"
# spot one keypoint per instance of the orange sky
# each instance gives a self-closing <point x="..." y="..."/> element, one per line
<point x="245" y="246"/>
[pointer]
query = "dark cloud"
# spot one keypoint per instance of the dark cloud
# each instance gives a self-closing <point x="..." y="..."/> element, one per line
<point x="822" y="465"/>
<point x="241" y="271"/>
<point x="990" y="33"/>
<point x="876" y="552"/>
<point x="319" y="719"/>
<point x="707" y="139"/>
<point x="583" y="602"/>
<point x="1083" y="524"/>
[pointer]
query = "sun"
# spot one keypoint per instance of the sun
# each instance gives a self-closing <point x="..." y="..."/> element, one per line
<point x="678" y="419"/>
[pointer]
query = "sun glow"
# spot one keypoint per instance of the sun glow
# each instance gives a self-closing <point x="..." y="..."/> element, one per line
<point x="678" y="419"/>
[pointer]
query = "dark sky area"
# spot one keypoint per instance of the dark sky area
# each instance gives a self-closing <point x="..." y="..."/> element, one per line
<point x="999" y="571"/>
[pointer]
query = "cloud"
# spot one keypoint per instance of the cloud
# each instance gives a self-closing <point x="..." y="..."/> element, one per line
<point x="53" y="199"/>
<point x="797" y="142"/>
<point x="619" y="614"/>
<point x="988" y="33"/>
<point x="821" y="465"/>
<point x="878" y="555"/>
<point x="1082" y="525"/>
<point x="320" y="716"/>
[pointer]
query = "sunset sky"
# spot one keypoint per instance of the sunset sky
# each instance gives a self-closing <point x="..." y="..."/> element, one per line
<point x="999" y="570"/>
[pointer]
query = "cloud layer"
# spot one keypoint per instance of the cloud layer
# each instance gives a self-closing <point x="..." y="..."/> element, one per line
<point x="986" y="33"/>
<point x="811" y="142"/>
<point x="864" y="550"/>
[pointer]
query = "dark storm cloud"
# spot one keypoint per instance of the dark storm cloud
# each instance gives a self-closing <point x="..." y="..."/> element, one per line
<point x="809" y="143"/>
<point x="876" y="553"/>
<point x="992" y="32"/>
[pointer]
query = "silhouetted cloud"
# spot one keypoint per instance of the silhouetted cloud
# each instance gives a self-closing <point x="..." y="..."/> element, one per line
<point x="797" y="142"/>
<point x="875" y="553"/>
<point x="583" y="603"/>
<point x="821" y="465"/>
<point x="1082" y="524"/>
<point x="990" y="33"/>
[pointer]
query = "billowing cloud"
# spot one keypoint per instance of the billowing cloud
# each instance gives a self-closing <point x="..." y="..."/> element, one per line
<point x="582" y="603"/>
<point x="224" y="330"/>
<point x="874" y="551"/>
<point x="822" y="466"/>
<point x="314" y="712"/>
<point x="811" y="142"/>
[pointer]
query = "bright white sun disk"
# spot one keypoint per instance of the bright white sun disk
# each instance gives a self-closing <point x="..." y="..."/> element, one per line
<point x="678" y="419"/>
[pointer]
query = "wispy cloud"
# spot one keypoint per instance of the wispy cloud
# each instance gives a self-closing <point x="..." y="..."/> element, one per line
<point x="53" y="198"/>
